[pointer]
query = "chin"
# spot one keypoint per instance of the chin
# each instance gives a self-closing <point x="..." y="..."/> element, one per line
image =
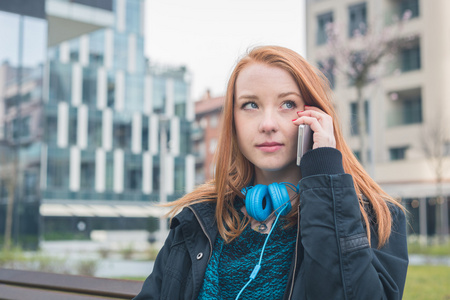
<point x="277" y="167"/>
<point x="272" y="168"/>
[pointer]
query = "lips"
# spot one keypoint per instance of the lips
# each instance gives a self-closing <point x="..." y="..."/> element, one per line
<point x="269" y="146"/>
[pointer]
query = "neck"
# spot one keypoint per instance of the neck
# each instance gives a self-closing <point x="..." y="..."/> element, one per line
<point x="267" y="177"/>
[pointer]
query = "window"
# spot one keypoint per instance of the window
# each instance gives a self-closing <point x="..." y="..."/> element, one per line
<point x="111" y="89"/>
<point x="159" y="94"/>
<point x="58" y="168"/>
<point x="322" y="23"/>
<point x="156" y="174"/>
<point x="145" y="133"/>
<point x="109" y="171"/>
<point x="60" y="82"/>
<point x="398" y="153"/>
<point x="357" y="19"/>
<point x="30" y="182"/>
<point x="21" y="128"/>
<point x="120" y="51"/>
<point x="73" y="123"/>
<point x="446" y="150"/>
<point x="185" y="137"/>
<point x="51" y="124"/>
<point x="410" y="58"/>
<point x="12" y="101"/>
<point x="96" y="48"/>
<point x="95" y="129"/>
<point x="134" y="92"/>
<point x="358" y="61"/>
<point x="180" y="97"/>
<point x="357" y="154"/>
<point x="406" y="108"/>
<point x="74" y="46"/>
<point x="354" y="129"/>
<point x="122" y="131"/>
<point x="133" y="172"/>
<point x="87" y="175"/>
<point x="90" y="87"/>
<point x="180" y="176"/>
<point x="411" y="5"/>
<point x="327" y="67"/>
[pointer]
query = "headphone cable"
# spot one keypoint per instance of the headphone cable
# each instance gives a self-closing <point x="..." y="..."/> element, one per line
<point x="258" y="265"/>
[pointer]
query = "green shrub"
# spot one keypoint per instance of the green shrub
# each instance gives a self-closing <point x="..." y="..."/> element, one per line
<point x="86" y="267"/>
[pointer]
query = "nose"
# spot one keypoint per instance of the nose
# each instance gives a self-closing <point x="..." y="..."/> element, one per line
<point x="268" y="123"/>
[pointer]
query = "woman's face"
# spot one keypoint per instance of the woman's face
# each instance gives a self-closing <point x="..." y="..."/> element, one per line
<point x="266" y="101"/>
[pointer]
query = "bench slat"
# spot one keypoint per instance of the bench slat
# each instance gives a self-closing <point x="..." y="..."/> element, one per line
<point x="71" y="283"/>
<point x="9" y="292"/>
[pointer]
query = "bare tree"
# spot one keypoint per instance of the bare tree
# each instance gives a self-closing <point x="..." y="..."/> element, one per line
<point x="435" y="140"/>
<point x="358" y="59"/>
<point x="9" y="176"/>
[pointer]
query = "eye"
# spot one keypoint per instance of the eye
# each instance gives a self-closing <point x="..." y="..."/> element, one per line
<point x="249" y="105"/>
<point x="288" y="105"/>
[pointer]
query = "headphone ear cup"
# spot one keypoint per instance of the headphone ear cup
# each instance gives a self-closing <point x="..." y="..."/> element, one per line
<point x="280" y="198"/>
<point x="254" y="203"/>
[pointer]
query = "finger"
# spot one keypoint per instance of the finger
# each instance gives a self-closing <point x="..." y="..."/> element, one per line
<point x="313" y="122"/>
<point x="322" y="117"/>
<point x="314" y="108"/>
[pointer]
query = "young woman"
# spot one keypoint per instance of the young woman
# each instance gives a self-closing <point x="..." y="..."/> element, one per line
<point x="330" y="231"/>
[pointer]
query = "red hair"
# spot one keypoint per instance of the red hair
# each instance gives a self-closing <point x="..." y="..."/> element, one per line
<point x="233" y="171"/>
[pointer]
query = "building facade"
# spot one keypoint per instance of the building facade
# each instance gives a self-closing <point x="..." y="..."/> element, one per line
<point x="208" y="120"/>
<point x="89" y="120"/>
<point x="22" y="57"/>
<point x="406" y="107"/>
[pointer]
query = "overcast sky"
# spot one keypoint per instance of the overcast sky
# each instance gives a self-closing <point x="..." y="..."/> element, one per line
<point x="208" y="36"/>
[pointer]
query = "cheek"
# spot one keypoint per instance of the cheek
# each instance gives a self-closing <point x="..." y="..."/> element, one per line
<point x="292" y="135"/>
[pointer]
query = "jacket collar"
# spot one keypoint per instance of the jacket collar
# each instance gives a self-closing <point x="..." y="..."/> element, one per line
<point x="203" y="212"/>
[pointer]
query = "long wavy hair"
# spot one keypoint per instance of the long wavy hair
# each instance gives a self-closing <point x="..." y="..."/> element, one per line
<point x="233" y="171"/>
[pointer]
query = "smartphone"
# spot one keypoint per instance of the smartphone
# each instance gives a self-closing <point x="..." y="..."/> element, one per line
<point x="304" y="142"/>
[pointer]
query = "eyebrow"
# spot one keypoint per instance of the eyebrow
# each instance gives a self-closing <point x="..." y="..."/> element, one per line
<point x="247" y="97"/>
<point x="254" y="97"/>
<point x="282" y="95"/>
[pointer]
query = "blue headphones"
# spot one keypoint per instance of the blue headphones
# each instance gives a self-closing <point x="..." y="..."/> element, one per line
<point x="261" y="200"/>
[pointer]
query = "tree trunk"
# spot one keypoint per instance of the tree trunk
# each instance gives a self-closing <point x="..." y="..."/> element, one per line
<point x="9" y="214"/>
<point x="362" y="126"/>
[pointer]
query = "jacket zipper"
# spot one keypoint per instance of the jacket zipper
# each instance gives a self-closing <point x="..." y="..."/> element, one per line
<point x="295" y="261"/>
<point x="204" y="231"/>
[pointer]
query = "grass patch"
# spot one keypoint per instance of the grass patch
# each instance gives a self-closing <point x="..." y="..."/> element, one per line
<point x="434" y="246"/>
<point x="38" y="261"/>
<point x="131" y="278"/>
<point x="434" y="250"/>
<point x="427" y="282"/>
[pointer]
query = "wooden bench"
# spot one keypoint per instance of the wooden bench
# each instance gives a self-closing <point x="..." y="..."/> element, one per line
<point x="19" y="284"/>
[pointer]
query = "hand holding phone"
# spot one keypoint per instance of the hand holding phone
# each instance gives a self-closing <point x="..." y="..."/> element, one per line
<point x="304" y="142"/>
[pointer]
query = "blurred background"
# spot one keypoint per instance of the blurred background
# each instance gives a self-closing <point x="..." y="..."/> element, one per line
<point x="109" y="107"/>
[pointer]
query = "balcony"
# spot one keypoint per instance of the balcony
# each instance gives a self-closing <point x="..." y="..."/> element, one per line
<point x="71" y="19"/>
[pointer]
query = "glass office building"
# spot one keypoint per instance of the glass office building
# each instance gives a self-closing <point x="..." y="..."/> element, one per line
<point x="23" y="32"/>
<point x="100" y="112"/>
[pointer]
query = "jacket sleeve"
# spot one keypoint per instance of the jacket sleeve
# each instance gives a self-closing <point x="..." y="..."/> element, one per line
<point x="151" y="289"/>
<point x="338" y="262"/>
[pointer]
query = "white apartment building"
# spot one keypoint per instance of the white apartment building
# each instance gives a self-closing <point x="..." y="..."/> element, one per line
<point x="408" y="103"/>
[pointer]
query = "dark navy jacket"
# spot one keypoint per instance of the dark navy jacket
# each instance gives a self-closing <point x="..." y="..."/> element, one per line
<point x="333" y="259"/>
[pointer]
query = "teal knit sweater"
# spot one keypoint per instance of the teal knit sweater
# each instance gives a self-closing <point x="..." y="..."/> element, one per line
<point x="231" y="264"/>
